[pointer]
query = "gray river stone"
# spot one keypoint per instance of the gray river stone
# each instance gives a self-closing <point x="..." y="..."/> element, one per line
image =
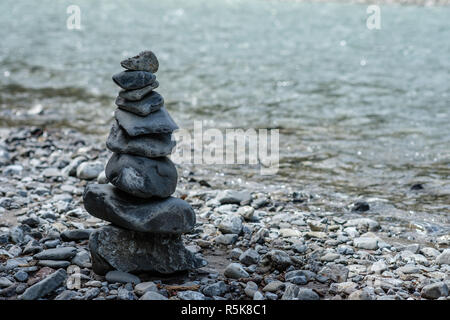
<point x="150" y="103"/>
<point x="114" y="248"/>
<point x="156" y="122"/>
<point x="146" y="60"/>
<point x="142" y="177"/>
<point x="61" y="253"/>
<point x="170" y="215"/>
<point x="46" y="286"/>
<point x="149" y="145"/>
<point x="131" y="80"/>
<point x="138" y="94"/>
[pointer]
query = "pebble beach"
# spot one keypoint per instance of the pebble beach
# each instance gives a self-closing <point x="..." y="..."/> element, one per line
<point x="279" y="245"/>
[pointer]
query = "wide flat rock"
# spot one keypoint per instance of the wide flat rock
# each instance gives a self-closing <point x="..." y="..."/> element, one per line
<point x="156" y="122"/>
<point x="142" y="177"/>
<point x="138" y="94"/>
<point x="114" y="248"/>
<point x="150" y="103"/>
<point x="168" y="216"/>
<point x="131" y="80"/>
<point x="149" y="145"/>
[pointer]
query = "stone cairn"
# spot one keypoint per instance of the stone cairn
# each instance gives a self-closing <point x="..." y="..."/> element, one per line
<point x="147" y="223"/>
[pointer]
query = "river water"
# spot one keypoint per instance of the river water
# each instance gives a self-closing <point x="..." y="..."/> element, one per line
<point x="362" y="113"/>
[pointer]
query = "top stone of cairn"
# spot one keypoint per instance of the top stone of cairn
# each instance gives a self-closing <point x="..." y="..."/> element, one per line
<point x="144" y="61"/>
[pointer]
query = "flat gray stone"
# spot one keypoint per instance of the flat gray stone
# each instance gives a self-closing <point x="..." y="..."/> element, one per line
<point x="130" y="80"/>
<point x="149" y="145"/>
<point x="114" y="248"/>
<point x="150" y="295"/>
<point x="146" y="60"/>
<point x="234" y="197"/>
<point x="150" y="103"/>
<point x="143" y="287"/>
<point x="46" y="286"/>
<point x="157" y="122"/>
<point x="367" y="243"/>
<point x="138" y="94"/>
<point x="235" y="271"/>
<point x="121" y="277"/>
<point x="142" y="177"/>
<point x="76" y="234"/>
<point x="170" y="215"/>
<point x="61" y="253"/>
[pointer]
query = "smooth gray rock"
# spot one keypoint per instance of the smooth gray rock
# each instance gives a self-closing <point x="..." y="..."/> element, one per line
<point x="5" y="282"/>
<point x="169" y="216"/>
<point x="138" y="94"/>
<point x="62" y="253"/>
<point x="190" y="295"/>
<point x="89" y="170"/>
<point x="46" y="286"/>
<point x="274" y="286"/>
<point x="149" y="145"/>
<point x="150" y="103"/>
<point x="82" y="259"/>
<point x="130" y="251"/>
<point x="141" y="288"/>
<point x="294" y="292"/>
<point x="235" y="271"/>
<point x="226" y="239"/>
<point x="146" y="60"/>
<point x="121" y="277"/>
<point x="367" y="243"/>
<point x="231" y="225"/>
<point x="157" y="122"/>
<point x="21" y="276"/>
<point x="435" y="290"/>
<point x="150" y="295"/>
<point x="142" y="177"/>
<point x="131" y="80"/>
<point x="233" y="196"/>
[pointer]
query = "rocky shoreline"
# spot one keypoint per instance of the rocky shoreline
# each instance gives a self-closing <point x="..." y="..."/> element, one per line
<point x="258" y="245"/>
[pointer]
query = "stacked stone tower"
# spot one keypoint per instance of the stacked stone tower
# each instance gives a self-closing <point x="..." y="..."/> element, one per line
<point x="146" y="222"/>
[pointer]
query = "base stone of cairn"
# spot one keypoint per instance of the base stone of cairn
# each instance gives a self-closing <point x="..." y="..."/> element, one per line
<point x="115" y="248"/>
<point x="147" y="223"/>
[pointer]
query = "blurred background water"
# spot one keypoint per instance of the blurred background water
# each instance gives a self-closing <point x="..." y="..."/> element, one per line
<point x="361" y="113"/>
